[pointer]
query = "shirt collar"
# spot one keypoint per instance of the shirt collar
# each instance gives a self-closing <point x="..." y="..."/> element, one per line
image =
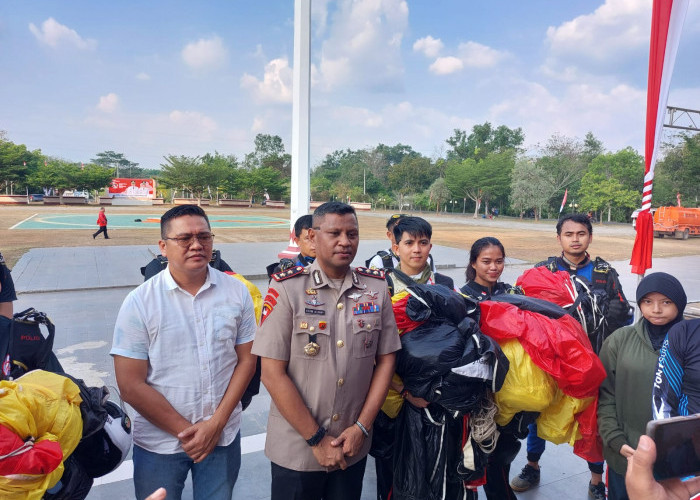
<point x="170" y="284"/>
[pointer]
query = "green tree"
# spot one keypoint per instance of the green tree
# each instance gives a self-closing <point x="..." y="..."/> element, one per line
<point x="94" y="177"/>
<point x="190" y="174"/>
<point x="611" y="183"/>
<point x="438" y="193"/>
<point x="484" y="139"/>
<point x="411" y="175"/>
<point x="529" y="187"/>
<point x="57" y="174"/>
<point x="269" y="153"/>
<point x="118" y="162"/>
<point x="223" y="172"/>
<point x="678" y="172"/>
<point x="15" y="164"/>
<point x="481" y="180"/>
<point x="256" y="181"/>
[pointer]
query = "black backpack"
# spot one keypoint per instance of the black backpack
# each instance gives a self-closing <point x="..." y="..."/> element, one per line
<point x="23" y="345"/>
<point x="159" y="263"/>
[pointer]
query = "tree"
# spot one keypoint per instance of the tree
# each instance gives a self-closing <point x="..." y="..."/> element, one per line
<point x="256" y="181"/>
<point x="438" y="193"/>
<point x="94" y="177"/>
<point x="223" y="172"/>
<point x="481" y="179"/>
<point x="678" y="172"/>
<point x="15" y="164"/>
<point x="411" y="175"/>
<point x="116" y="161"/>
<point x="190" y="174"/>
<point x="563" y="162"/>
<point x="484" y="139"/>
<point x="269" y="153"/>
<point x="57" y="174"/>
<point x="610" y="183"/>
<point x="529" y="187"/>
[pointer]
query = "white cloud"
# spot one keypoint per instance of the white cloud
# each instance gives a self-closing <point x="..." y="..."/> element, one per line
<point x="364" y="45"/>
<point x="143" y="76"/>
<point x="476" y="55"/>
<point x="205" y="53"/>
<point x="193" y="120"/>
<point x="108" y="103"/>
<point x="54" y="34"/>
<point x="258" y="125"/>
<point x="276" y="85"/>
<point x="610" y="32"/>
<point x="429" y="46"/>
<point x="469" y="55"/>
<point x="446" y="65"/>
<point x="354" y="116"/>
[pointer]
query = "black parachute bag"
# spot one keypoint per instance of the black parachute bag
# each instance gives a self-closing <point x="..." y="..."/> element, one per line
<point x="160" y="262"/>
<point x="24" y="346"/>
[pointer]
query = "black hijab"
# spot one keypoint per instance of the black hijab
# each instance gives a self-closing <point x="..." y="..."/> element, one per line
<point x="666" y="285"/>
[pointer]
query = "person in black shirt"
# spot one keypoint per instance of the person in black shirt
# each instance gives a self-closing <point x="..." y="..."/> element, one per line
<point x="486" y="263"/>
<point x="7" y="290"/>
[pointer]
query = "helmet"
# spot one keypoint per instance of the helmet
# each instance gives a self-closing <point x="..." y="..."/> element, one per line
<point x="106" y="449"/>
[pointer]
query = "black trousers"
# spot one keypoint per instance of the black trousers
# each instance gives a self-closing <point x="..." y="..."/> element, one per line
<point x="345" y="484"/>
<point x="103" y="229"/>
<point x="497" y="485"/>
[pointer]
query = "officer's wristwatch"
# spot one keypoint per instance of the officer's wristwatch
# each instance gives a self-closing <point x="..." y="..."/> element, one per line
<point x="316" y="438"/>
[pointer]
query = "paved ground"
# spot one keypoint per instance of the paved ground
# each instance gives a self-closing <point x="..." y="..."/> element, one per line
<point x="82" y="288"/>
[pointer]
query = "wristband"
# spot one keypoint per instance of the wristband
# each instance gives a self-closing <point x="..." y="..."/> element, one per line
<point x="362" y="428"/>
<point x="316" y="438"/>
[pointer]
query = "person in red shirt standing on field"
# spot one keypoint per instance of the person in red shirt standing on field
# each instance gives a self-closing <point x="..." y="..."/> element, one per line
<point x="102" y="222"/>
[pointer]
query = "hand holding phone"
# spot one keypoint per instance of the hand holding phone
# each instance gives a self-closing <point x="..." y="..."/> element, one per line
<point x="677" y="442"/>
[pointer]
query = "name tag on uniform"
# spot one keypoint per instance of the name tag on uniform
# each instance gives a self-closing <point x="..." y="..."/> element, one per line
<point x="314" y="311"/>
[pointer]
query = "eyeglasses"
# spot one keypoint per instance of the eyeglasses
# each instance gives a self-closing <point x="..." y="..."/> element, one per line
<point x="205" y="239"/>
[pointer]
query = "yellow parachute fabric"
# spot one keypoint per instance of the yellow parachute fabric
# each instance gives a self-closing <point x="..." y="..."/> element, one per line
<point x="42" y="405"/>
<point x="393" y="402"/>
<point x="528" y="388"/>
<point x="254" y="294"/>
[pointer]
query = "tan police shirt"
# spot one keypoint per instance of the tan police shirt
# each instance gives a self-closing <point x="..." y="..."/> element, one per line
<point x="350" y="326"/>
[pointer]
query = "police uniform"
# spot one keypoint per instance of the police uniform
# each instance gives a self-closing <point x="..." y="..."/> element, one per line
<point x="330" y="338"/>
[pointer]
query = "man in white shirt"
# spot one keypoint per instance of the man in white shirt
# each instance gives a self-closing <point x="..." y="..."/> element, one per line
<point x="182" y="360"/>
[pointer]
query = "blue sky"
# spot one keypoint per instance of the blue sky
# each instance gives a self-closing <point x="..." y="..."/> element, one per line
<point x="154" y="78"/>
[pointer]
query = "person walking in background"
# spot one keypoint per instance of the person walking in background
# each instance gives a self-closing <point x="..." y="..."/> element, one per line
<point x="102" y="222"/>
<point x="630" y="356"/>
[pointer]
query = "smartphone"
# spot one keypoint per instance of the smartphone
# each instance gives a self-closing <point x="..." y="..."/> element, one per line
<point x="677" y="442"/>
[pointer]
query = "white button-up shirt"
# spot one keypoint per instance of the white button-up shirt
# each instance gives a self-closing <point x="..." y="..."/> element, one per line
<point x="189" y="344"/>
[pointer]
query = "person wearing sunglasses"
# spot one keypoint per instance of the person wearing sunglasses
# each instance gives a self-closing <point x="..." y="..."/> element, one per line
<point x="182" y="358"/>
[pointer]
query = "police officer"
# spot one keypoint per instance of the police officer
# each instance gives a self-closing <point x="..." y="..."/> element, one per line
<point x="7" y="290"/>
<point x="327" y="340"/>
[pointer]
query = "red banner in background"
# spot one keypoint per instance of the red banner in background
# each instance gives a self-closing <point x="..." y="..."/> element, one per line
<point x="132" y="188"/>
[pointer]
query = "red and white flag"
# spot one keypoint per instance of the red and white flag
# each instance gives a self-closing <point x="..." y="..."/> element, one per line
<point x="666" y="26"/>
<point x="563" y="202"/>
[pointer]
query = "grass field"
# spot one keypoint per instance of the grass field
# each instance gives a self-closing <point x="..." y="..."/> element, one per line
<point x="526" y="240"/>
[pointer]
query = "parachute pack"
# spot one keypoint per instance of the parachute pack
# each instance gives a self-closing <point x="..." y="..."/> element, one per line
<point x="56" y="433"/>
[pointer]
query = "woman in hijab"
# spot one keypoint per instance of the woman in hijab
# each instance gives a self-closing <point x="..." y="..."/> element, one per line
<point x="630" y="356"/>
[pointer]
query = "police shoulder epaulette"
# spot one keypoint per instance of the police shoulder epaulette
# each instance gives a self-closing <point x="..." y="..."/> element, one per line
<point x="372" y="273"/>
<point x="289" y="273"/>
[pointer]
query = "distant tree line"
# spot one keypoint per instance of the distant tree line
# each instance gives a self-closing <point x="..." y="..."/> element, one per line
<point x="479" y="171"/>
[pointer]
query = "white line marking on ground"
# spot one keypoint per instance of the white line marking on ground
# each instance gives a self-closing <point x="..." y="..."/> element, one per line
<point x="25" y="220"/>
<point x="249" y="444"/>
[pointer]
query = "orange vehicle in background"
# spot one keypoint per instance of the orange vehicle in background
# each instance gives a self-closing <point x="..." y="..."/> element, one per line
<point x="679" y="222"/>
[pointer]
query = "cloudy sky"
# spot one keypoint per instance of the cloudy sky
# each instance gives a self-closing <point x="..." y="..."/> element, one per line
<point x="179" y="77"/>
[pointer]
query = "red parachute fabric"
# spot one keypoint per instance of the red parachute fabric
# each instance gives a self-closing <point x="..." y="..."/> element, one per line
<point x="403" y="322"/>
<point x="42" y="458"/>
<point x="541" y="283"/>
<point x="561" y="348"/>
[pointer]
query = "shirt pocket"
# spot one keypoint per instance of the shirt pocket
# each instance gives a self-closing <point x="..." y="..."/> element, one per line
<point x="303" y="336"/>
<point x="225" y="324"/>
<point x="365" y="334"/>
